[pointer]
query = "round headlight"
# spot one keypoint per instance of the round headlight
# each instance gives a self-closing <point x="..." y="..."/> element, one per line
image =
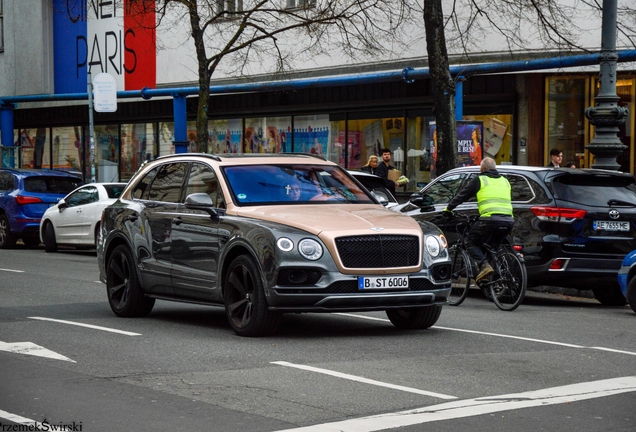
<point x="432" y="246"/>
<point x="310" y="249"/>
<point x="285" y="244"/>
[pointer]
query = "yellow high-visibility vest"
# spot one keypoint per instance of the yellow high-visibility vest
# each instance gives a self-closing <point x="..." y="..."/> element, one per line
<point x="494" y="196"/>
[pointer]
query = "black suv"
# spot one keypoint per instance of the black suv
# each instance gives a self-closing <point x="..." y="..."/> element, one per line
<point x="574" y="226"/>
<point x="264" y="235"/>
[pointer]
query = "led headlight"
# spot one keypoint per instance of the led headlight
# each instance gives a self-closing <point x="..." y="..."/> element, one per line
<point x="310" y="249"/>
<point x="433" y="246"/>
<point x="285" y="244"/>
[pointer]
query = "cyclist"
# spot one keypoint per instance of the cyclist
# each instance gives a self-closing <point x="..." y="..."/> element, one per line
<point x="495" y="211"/>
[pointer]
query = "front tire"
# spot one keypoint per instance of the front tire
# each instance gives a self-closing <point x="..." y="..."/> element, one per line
<point x="609" y="295"/>
<point x="7" y="239"/>
<point x="417" y="318"/>
<point x="50" y="244"/>
<point x="460" y="276"/>
<point x="124" y="292"/>
<point x="245" y="303"/>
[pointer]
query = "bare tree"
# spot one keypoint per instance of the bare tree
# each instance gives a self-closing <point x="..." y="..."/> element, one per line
<point x="510" y="28"/>
<point x="249" y="33"/>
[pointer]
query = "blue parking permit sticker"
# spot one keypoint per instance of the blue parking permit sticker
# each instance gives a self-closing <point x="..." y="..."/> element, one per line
<point x="241" y="196"/>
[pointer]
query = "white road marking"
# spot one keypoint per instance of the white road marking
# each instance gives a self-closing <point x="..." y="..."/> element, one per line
<point x="480" y="406"/>
<point x="15" y="418"/>
<point x="501" y="335"/>
<point x="87" y="326"/>
<point x="11" y="270"/>
<point x="364" y="380"/>
<point x="614" y="350"/>
<point x="29" y="348"/>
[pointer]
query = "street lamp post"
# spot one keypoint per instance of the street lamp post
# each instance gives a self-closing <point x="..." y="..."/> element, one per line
<point x="607" y="116"/>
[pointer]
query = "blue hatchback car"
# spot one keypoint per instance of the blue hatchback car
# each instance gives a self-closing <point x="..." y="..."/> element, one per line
<point x="24" y="197"/>
<point x="627" y="279"/>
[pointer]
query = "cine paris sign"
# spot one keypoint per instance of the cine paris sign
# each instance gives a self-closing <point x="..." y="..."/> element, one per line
<point x="105" y="92"/>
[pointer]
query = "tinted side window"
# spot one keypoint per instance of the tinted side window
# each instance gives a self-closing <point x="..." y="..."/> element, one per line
<point x="83" y="196"/>
<point x="521" y="190"/>
<point x="6" y="182"/>
<point x="595" y="190"/>
<point x="444" y="190"/>
<point x="203" y="180"/>
<point x="168" y="183"/>
<point x="141" y="189"/>
<point x="114" y="191"/>
<point x="57" y="185"/>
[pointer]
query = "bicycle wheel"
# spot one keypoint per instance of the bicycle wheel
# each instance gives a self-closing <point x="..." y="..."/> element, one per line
<point x="509" y="289"/>
<point x="460" y="275"/>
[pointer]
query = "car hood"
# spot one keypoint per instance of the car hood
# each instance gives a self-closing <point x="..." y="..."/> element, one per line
<point x="354" y="219"/>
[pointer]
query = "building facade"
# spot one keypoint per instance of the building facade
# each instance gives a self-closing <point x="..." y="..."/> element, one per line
<point x="515" y="117"/>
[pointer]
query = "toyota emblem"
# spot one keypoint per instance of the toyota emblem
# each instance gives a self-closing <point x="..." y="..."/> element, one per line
<point x="614" y="214"/>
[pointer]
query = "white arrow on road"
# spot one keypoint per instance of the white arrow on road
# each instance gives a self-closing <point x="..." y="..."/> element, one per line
<point x="30" y="348"/>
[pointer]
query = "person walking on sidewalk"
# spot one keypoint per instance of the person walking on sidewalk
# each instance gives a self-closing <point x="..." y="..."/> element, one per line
<point x="494" y="202"/>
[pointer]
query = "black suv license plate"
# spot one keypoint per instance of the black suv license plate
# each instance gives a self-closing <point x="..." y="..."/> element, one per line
<point x="383" y="282"/>
<point x="599" y="225"/>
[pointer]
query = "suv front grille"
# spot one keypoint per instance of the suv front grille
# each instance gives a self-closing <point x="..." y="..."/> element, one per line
<point x="379" y="251"/>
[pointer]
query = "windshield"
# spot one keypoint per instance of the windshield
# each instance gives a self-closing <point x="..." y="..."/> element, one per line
<point x="293" y="184"/>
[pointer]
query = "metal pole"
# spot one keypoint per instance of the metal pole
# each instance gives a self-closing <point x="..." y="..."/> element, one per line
<point x="607" y="116"/>
<point x="91" y="127"/>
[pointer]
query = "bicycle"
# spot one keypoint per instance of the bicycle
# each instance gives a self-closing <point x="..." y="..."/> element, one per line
<point x="506" y="287"/>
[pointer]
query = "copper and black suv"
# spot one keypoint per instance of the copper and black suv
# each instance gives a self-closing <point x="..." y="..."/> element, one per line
<point x="575" y="226"/>
<point x="266" y="234"/>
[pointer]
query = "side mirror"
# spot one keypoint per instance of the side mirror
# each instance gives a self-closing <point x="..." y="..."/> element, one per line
<point x="381" y="197"/>
<point x="61" y="204"/>
<point x="201" y="201"/>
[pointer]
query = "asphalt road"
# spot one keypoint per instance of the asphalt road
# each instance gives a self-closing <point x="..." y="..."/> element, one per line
<point x="556" y="363"/>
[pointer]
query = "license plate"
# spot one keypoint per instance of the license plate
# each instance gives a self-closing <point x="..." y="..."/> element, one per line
<point x="610" y="226"/>
<point x="383" y="282"/>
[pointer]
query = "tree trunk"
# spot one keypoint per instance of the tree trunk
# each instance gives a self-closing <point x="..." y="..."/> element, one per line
<point x="204" y="80"/>
<point x="443" y="87"/>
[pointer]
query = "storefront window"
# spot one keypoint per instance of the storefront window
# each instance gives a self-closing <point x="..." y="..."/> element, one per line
<point x="137" y="145"/>
<point x="34" y="148"/>
<point x="313" y="134"/>
<point x="67" y="148"/>
<point x="266" y="135"/>
<point x="418" y="153"/>
<point x="565" y="122"/>
<point x="106" y="153"/>
<point x="225" y="136"/>
<point x="497" y="136"/>
<point x="368" y="137"/>
<point x="166" y="138"/>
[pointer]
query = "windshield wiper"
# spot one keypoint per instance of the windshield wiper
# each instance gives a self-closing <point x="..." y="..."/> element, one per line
<point x="621" y="203"/>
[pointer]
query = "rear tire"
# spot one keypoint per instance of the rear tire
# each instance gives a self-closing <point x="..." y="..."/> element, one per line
<point x="460" y="276"/>
<point x="509" y="293"/>
<point x="50" y="244"/>
<point x="417" y="318"/>
<point x="124" y="292"/>
<point x="7" y="239"/>
<point x="631" y="294"/>
<point x="609" y="295"/>
<point x="245" y="303"/>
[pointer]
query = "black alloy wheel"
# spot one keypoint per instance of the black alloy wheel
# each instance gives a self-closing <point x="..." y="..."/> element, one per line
<point x="245" y="304"/>
<point x="125" y="295"/>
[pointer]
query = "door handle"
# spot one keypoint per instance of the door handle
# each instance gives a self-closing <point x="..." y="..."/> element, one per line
<point x="177" y="221"/>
